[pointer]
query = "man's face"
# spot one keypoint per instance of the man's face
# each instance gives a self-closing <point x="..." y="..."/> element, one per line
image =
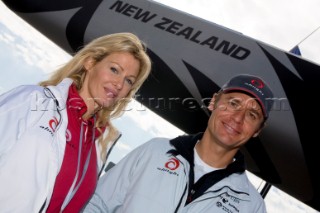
<point x="235" y="118"/>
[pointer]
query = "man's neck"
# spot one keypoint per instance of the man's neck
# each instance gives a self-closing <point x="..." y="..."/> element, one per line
<point x="213" y="154"/>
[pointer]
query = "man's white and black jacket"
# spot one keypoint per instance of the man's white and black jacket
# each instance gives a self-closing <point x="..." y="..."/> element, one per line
<point x="157" y="177"/>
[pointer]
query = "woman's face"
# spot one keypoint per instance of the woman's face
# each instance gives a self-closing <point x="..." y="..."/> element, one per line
<point x="109" y="80"/>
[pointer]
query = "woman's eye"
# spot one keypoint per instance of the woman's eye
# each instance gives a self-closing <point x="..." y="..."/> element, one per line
<point x="114" y="70"/>
<point x="129" y="81"/>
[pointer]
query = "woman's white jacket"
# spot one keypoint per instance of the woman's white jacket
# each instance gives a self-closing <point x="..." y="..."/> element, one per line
<point x="33" y="123"/>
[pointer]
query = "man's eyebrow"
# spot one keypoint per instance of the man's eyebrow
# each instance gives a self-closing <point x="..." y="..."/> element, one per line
<point x="234" y="98"/>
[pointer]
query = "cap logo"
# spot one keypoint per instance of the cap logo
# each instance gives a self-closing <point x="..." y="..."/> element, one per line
<point x="257" y="83"/>
<point x="255" y="86"/>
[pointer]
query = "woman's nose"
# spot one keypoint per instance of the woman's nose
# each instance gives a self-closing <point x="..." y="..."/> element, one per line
<point x="118" y="83"/>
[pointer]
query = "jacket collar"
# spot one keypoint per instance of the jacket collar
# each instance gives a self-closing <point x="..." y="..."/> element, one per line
<point x="60" y="92"/>
<point x="184" y="146"/>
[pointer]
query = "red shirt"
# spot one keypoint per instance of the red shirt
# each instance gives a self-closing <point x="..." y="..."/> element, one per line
<point x="75" y="109"/>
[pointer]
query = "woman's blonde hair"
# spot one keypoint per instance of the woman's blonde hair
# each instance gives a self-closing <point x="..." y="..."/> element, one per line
<point x="97" y="50"/>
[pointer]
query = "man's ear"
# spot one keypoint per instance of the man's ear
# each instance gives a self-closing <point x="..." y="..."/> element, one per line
<point x="257" y="133"/>
<point x="212" y="102"/>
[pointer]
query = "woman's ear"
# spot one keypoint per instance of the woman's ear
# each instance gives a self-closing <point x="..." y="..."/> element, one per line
<point x="212" y="102"/>
<point x="88" y="63"/>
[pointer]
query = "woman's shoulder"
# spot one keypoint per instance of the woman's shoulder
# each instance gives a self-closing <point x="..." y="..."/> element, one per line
<point x="21" y="93"/>
<point x="24" y="89"/>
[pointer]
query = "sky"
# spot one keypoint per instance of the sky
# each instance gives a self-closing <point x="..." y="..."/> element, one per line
<point x="27" y="57"/>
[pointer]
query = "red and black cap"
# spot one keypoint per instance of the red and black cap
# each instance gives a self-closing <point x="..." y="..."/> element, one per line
<point x="253" y="86"/>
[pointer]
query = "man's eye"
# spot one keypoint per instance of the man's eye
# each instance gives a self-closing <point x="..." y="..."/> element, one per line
<point x="234" y="104"/>
<point x="253" y="116"/>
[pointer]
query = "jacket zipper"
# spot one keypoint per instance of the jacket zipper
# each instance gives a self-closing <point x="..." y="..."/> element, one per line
<point x="179" y="204"/>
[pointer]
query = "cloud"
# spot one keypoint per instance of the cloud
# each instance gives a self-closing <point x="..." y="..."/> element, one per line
<point x="2" y="90"/>
<point x="124" y="147"/>
<point x="150" y="122"/>
<point x="32" y="46"/>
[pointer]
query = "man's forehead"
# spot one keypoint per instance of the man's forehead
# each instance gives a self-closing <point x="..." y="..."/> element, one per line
<point x="243" y="98"/>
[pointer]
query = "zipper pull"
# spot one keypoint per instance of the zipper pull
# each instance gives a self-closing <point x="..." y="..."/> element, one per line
<point x="189" y="199"/>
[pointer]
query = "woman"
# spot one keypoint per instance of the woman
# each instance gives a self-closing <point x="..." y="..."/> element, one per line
<point x="48" y="155"/>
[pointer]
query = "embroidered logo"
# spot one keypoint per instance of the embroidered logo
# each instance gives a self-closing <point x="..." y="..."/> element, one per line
<point x="257" y="83"/>
<point x="172" y="164"/>
<point x="52" y="126"/>
<point x="228" y="203"/>
<point x="53" y="123"/>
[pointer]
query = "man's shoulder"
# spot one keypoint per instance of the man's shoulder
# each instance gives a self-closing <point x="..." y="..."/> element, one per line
<point x="255" y="196"/>
<point x="157" y="142"/>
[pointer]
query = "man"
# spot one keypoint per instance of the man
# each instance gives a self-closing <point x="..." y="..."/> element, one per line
<point x="196" y="173"/>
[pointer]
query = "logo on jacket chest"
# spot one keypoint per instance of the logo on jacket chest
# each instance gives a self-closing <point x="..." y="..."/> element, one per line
<point x="228" y="203"/>
<point x="52" y="126"/>
<point x="170" y="166"/>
